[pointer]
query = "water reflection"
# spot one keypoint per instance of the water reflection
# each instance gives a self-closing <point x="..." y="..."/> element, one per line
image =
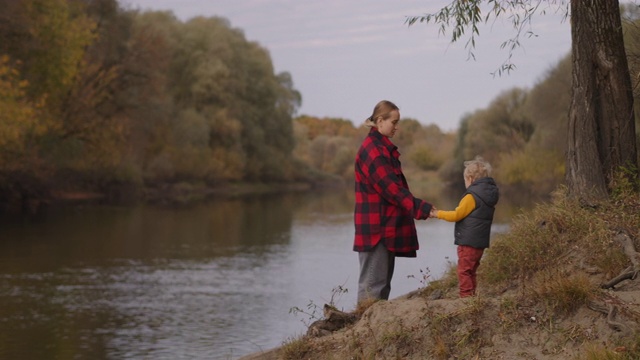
<point x="93" y="236"/>
<point x="211" y="281"/>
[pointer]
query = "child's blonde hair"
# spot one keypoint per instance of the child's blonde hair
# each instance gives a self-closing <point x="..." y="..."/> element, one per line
<point x="476" y="168"/>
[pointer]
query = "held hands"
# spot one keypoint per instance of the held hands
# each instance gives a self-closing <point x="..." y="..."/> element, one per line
<point x="433" y="213"/>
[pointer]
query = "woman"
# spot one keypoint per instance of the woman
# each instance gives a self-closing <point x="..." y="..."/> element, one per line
<point x="385" y="209"/>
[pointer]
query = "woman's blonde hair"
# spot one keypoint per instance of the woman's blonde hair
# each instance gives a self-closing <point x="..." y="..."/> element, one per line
<point x="476" y="168"/>
<point x="382" y="109"/>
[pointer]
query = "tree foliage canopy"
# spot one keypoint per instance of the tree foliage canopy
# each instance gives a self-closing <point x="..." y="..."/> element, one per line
<point x="601" y="122"/>
<point x="95" y="94"/>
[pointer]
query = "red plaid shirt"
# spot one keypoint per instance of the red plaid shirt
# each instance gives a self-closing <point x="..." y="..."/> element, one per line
<point x="385" y="208"/>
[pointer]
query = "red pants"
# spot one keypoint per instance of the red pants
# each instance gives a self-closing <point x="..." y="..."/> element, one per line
<point x="468" y="262"/>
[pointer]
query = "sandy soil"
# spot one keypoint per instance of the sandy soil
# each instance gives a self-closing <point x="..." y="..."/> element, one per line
<point x="415" y="326"/>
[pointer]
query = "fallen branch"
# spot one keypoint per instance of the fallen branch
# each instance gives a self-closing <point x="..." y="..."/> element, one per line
<point x="631" y="272"/>
<point x="626" y="274"/>
<point x="610" y="311"/>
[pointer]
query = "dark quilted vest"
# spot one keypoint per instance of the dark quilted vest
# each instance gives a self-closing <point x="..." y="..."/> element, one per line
<point x="475" y="229"/>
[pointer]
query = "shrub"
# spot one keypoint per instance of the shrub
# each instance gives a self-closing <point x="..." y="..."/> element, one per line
<point x="554" y="232"/>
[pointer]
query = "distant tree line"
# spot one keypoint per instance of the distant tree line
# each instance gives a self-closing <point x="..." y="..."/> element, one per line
<point x="94" y="97"/>
<point x="329" y="145"/>
<point x="97" y="97"/>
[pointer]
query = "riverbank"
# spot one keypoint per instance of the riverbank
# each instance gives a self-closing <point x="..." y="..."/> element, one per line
<point x="184" y="193"/>
<point x="37" y="203"/>
<point x="560" y="285"/>
<point x="485" y="327"/>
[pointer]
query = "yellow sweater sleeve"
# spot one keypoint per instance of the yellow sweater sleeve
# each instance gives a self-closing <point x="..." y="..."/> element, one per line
<point x="465" y="207"/>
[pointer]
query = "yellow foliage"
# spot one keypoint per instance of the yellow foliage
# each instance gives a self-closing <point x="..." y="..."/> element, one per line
<point x="63" y="33"/>
<point x="425" y="158"/>
<point x="538" y="168"/>
<point x="18" y="116"/>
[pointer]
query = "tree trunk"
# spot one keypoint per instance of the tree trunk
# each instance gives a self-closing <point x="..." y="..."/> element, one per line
<point x="601" y="118"/>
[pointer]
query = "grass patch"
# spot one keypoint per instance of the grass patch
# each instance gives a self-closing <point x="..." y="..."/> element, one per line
<point x="561" y="234"/>
<point x="459" y="334"/>
<point x="447" y="283"/>
<point x="397" y="344"/>
<point x="629" y="350"/>
<point x="363" y="306"/>
<point x="296" y="348"/>
<point x="562" y="293"/>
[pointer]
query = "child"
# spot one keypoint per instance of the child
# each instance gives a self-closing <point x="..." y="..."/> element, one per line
<point x="473" y="218"/>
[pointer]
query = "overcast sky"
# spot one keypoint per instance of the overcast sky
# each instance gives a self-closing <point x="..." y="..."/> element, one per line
<point x="345" y="56"/>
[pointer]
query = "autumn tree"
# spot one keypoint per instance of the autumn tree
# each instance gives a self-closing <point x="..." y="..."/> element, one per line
<point x="49" y="38"/>
<point x="229" y="116"/>
<point x="43" y="49"/>
<point x="601" y="128"/>
<point x="512" y="132"/>
<point x="19" y="119"/>
<point x="326" y="144"/>
<point x="539" y="166"/>
<point x="499" y="128"/>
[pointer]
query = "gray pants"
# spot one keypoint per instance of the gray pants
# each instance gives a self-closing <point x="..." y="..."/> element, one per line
<point x="376" y="271"/>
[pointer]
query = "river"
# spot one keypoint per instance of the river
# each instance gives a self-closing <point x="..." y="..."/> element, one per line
<point x="216" y="280"/>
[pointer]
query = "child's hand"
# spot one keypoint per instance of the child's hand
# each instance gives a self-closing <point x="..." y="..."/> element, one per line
<point x="433" y="213"/>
